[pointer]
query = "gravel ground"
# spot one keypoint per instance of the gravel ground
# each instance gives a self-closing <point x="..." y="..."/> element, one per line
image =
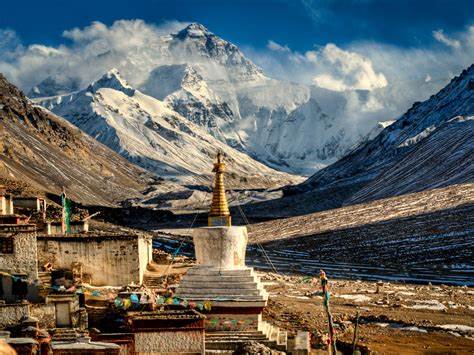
<point x="394" y="318"/>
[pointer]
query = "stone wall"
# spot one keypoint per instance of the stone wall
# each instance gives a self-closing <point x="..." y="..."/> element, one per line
<point x="45" y="313"/>
<point x="23" y="260"/>
<point x="76" y="227"/>
<point x="10" y="314"/>
<point x="110" y="260"/>
<point x="24" y="257"/>
<point x="174" y="342"/>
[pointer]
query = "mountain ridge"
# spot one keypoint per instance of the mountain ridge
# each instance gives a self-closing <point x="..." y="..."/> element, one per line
<point x="150" y="134"/>
<point x="50" y="153"/>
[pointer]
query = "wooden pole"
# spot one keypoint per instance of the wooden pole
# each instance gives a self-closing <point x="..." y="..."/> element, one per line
<point x="63" y="211"/>
<point x="356" y="328"/>
<point x="325" y="288"/>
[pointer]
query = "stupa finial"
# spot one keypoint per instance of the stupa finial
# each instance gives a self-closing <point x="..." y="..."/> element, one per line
<point x="219" y="214"/>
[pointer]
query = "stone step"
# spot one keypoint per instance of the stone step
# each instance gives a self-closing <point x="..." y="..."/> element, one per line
<point x="233" y="332"/>
<point x="220" y="284"/>
<point x="201" y="271"/>
<point x="221" y="298"/>
<point x="219" y="278"/>
<point x="258" y="338"/>
<point x="218" y="291"/>
<point x="231" y="344"/>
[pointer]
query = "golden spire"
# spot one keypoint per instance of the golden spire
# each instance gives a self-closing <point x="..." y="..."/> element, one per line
<point x="219" y="214"/>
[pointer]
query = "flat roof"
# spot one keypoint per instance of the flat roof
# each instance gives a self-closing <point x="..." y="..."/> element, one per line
<point x="6" y="228"/>
<point x="90" y="237"/>
<point x="166" y="314"/>
<point x="83" y="345"/>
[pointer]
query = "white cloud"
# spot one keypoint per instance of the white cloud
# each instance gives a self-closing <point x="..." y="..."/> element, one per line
<point x="450" y="42"/>
<point x="273" y="46"/>
<point x="441" y="37"/>
<point x="393" y="77"/>
<point x="344" y="70"/>
<point x="133" y="46"/>
<point x="327" y="81"/>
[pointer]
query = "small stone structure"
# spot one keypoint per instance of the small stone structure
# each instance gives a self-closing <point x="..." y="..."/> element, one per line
<point x="221" y="277"/>
<point x="6" y="202"/>
<point x="302" y="344"/>
<point x="75" y="227"/>
<point x="112" y="260"/>
<point x="167" y="332"/>
<point x="68" y="314"/>
<point x="34" y="204"/>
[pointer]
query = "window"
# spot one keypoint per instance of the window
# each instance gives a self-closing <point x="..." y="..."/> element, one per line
<point x="6" y="245"/>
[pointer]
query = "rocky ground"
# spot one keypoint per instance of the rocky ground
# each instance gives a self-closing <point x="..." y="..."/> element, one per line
<point x="394" y="318"/>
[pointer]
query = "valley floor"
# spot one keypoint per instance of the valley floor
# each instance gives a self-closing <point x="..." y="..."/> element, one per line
<point x="394" y="318"/>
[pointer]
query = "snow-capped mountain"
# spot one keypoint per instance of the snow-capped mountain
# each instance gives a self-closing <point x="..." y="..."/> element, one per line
<point x="55" y="85"/>
<point x="211" y="83"/>
<point x="431" y="145"/>
<point x="149" y="133"/>
<point x="186" y="92"/>
<point x="49" y="153"/>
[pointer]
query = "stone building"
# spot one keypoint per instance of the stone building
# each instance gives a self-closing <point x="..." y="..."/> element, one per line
<point x="112" y="260"/>
<point x="35" y="204"/>
<point x="167" y="332"/>
<point x="18" y="262"/>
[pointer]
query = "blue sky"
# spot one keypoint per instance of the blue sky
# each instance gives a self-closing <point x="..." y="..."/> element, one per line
<point x="300" y="24"/>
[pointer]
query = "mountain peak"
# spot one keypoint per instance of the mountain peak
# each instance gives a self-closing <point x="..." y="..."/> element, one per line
<point x="193" y="30"/>
<point x="112" y="80"/>
<point x="195" y="40"/>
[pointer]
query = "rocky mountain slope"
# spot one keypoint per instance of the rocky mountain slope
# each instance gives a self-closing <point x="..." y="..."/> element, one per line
<point x="418" y="237"/>
<point x="49" y="153"/>
<point x="443" y="158"/>
<point x="210" y="82"/>
<point x="414" y="237"/>
<point x="150" y="134"/>
<point x="429" y="146"/>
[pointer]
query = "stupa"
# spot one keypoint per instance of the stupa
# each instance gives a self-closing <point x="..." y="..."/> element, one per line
<point x="220" y="276"/>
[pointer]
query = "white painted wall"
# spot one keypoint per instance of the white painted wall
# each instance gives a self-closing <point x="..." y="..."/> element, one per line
<point x="220" y="247"/>
<point x="113" y="261"/>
